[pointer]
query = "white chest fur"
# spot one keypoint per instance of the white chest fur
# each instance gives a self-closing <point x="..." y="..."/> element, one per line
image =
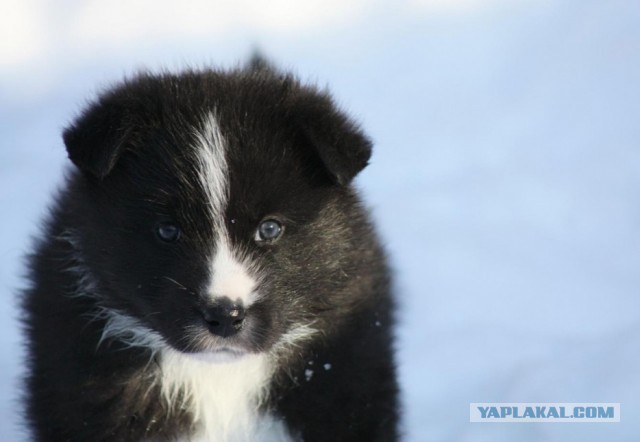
<point x="224" y="397"/>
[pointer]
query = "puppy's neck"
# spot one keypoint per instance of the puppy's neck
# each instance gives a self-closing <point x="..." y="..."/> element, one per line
<point x="224" y="398"/>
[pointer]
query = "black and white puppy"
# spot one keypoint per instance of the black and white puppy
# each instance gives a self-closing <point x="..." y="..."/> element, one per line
<point x="209" y="273"/>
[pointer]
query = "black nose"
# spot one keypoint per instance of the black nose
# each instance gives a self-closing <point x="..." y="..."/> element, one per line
<point x="224" y="318"/>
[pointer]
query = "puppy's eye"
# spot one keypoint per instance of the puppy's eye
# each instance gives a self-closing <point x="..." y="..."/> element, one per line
<point x="168" y="232"/>
<point x="269" y="230"/>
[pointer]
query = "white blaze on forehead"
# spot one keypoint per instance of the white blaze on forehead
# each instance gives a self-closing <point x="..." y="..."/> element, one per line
<point x="213" y="172"/>
<point x="230" y="275"/>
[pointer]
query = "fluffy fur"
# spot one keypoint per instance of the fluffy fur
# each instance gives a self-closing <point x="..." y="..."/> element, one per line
<point x="216" y="333"/>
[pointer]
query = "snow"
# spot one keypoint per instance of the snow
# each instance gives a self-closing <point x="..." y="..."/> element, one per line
<point x="308" y="374"/>
<point x="505" y="182"/>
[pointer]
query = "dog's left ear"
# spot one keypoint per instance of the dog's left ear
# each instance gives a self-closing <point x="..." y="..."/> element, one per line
<point x="341" y="145"/>
<point x="97" y="138"/>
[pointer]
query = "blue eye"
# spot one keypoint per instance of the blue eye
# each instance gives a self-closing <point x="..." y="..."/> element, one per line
<point x="168" y="232"/>
<point x="269" y="230"/>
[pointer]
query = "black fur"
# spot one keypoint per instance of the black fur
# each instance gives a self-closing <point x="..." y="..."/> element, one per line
<point x="290" y="153"/>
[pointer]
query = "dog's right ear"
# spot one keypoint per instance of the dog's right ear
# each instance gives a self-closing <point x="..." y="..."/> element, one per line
<point x="97" y="138"/>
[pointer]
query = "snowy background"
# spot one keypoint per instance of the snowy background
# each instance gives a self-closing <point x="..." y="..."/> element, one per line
<point x="505" y="181"/>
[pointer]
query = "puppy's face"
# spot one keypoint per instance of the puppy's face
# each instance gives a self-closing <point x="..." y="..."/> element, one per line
<point x="215" y="215"/>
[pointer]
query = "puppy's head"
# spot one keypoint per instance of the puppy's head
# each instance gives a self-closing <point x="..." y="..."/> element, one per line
<point x="213" y="211"/>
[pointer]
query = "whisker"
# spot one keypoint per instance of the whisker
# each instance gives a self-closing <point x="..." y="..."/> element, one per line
<point x="180" y="286"/>
<point x="175" y="282"/>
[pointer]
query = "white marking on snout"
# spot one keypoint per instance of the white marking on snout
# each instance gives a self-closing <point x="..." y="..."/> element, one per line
<point x="231" y="274"/>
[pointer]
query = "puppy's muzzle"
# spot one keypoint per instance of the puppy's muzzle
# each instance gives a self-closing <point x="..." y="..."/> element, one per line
<point x="224" y="318"/>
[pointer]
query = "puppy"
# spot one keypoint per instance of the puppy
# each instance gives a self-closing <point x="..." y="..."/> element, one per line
<point x="209" y="273"/>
